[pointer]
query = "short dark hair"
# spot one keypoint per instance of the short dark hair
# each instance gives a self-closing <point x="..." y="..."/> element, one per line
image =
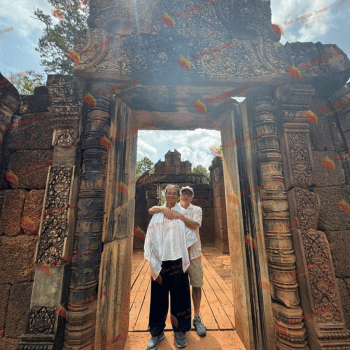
<point x="171" y="186"/>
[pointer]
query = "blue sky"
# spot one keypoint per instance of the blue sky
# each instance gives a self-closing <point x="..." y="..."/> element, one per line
<point x="17" y="55"/>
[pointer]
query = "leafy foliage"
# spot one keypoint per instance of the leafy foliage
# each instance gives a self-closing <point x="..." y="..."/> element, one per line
<point x="143" y="165"/>
<point x="58" y="38"/>
<point x="199" y="169"/>
<point x="27" y="83"/>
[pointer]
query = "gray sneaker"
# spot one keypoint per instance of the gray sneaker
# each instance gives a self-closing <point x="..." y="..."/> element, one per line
<point x="199" y="327"/>
<point x="154" y="342"/>
<point x="180" y="339"/>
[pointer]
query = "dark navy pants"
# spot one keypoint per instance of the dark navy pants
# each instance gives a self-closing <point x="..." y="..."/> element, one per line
<point x="171" y="279"/>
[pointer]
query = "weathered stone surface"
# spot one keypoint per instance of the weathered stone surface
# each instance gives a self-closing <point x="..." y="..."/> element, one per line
<point x="32" y="209"/>
<point x="320" y="134"/>
<point x="21" y="161"/>
<point x="204" y="194"/>
<point x="4" y="297"/>
<point x="203" y="203"/>
<point x="325" y="177"/>
<point x="17" y="258"/>
<point x="151" y="194"/>
<point x="331" y="217"/>
<point x="11" y="214"/>
<point x="34" y="133"/>
<point x="344" y="287"/>
<point x="18" y="308"/>
<point x="219" y="202"/>
<point x="8" y="344"/>
<point x="339" y="243"/>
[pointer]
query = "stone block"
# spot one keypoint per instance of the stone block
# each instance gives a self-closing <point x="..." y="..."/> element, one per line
<point x="339" y="243"/>
<point x="203" y="203"/>
<point x="32" y="209"/>
<point x="18" y="308"/>
<point x="204" y="194"/>
<point x="4" y="297"/>
<point x="344" y="286"/>
<point x="223" y="246"/>
<point x="198" y="187"/>
<point x="218" y="172"/>
<point x="11" y="214"/>
<point x="18" y="253"/>
<point x="9" y="344"/>
<point x="208" y="212"/>
<point x="331" y="218"/>
<point x="152" y="202"/>
<point x="21" y="162"/>
<point x="31" y="135"/>
<point x="324" y="177"/>
<point x="2" y="198"/>
<point x="320" y="134"/>
<point x="151" y="194"/>
<point x="219" y="202"/>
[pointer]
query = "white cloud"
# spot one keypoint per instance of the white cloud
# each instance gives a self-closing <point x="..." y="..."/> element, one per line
<point x="145" y="149"/>
<point x="20" y="15"/>
<point x="287" y="10"/>
<point x="194" y="146"/>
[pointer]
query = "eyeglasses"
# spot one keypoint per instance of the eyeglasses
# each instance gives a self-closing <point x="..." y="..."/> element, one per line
<point x="172" y="194"/>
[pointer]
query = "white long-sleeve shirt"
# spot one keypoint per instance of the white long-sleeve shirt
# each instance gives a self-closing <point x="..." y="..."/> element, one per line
<point x="167" y="240"/>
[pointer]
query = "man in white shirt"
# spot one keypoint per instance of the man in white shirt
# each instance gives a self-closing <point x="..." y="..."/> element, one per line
<point x="167" y="247"/>
<point x="193" y="220"/>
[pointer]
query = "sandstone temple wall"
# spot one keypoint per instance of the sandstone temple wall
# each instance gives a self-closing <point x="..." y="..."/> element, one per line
<point x="331" y="183"/>
<point x="27" y="127"/>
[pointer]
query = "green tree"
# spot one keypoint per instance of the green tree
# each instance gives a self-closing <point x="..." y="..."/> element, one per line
<point x="199" y="169"/>
<point x="143" y="165"/>
<point x="26" y="84"/>
<point x="58" y="38"/>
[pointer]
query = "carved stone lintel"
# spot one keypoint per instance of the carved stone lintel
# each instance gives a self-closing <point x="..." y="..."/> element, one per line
<point x="65" y="137"/>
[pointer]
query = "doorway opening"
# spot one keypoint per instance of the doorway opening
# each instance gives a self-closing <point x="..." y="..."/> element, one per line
<point x="182" y="159"/>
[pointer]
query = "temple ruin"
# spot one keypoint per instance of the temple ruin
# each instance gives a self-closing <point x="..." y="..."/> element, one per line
<point x="286" y="186"/>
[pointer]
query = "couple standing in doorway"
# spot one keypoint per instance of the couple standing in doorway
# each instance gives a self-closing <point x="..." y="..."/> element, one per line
<point x="173" y="248"/>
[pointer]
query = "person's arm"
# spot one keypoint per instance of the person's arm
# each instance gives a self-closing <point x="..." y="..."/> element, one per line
<point x="169" y="214"/>
<point x="190" y="223"/>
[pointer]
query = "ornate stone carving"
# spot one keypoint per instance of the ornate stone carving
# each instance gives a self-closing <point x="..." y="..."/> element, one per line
<point x="54" y="226"/>
<point x="286" y="303"/>
<point x="320" y="295"/>
<point x="299" y="160"/>
<point x="317" y="283"/>
<point x="65" y="137"/>
<point x="41" y="321"/>
<point x="85" y="271"/>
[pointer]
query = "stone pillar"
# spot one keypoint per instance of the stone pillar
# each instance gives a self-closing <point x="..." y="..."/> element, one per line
<point x="280" y="254"/>
<point x="45" y="321"/>
<point x="323" y="314"/>
<point x="253" y="309"/>
<point x="112" y="319"/>
<point x="81" y="314"/>
<point x="219" y="212"/>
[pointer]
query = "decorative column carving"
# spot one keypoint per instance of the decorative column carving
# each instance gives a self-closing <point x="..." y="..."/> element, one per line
<point x="45" y="321"/>
<point x="318" y="289"/>
<point x="281" y="258"/>
<point x="81" y="310"/>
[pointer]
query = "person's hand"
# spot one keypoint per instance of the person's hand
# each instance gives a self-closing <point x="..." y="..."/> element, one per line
<point x="168" y="213"/>
<point x="178" y="215"/>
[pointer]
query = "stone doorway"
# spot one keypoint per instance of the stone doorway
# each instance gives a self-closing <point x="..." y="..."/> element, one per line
<point x="119" y="218"/>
